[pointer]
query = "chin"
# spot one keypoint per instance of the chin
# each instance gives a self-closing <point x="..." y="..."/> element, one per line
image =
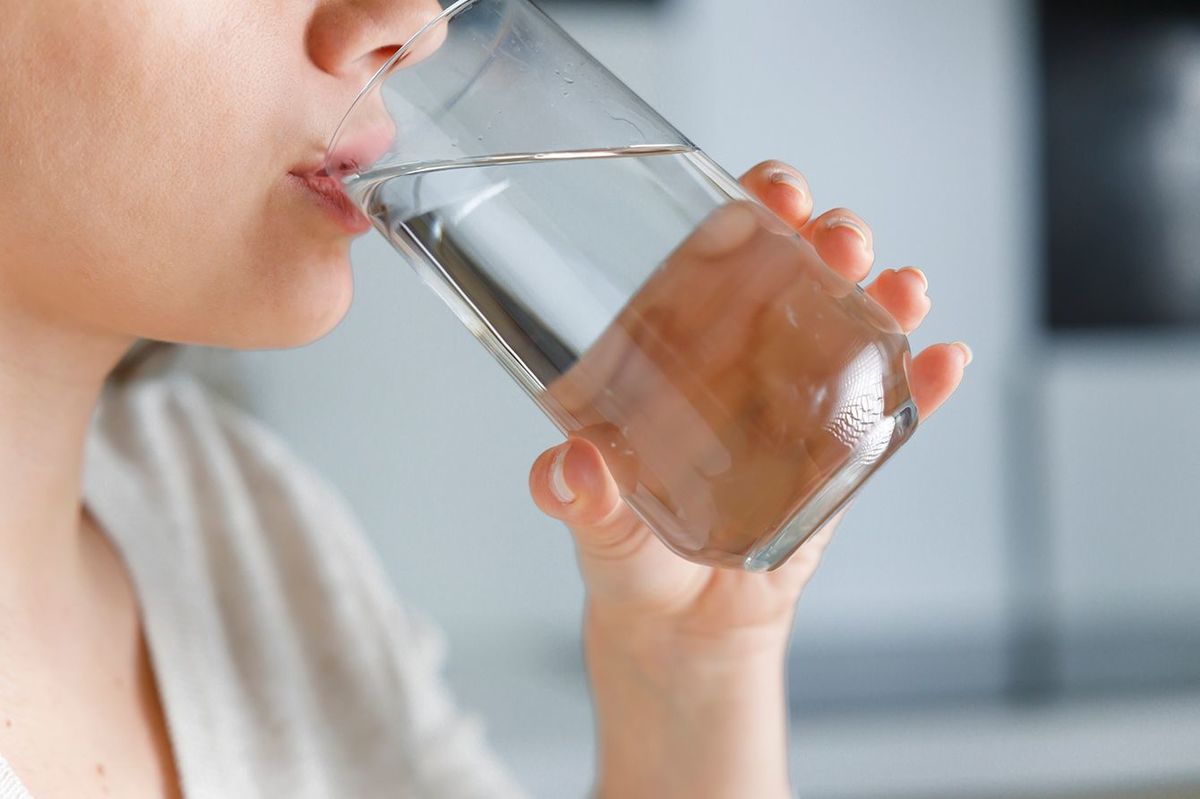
<point x="305" y="304"/>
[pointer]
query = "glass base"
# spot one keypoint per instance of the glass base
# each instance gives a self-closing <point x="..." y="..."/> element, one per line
<point x="837" y="491"/>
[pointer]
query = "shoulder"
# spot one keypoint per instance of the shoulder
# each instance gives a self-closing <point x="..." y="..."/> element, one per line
<point x="175" y="415"/>
<point x="233" y="489"/>
<point x="275" y="565"/>
<point x="189" y="443"/>
<point x="228" y="506"/>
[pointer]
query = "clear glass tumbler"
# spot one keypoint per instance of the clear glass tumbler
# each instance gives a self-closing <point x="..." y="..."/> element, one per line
<point x="739" y="389"/>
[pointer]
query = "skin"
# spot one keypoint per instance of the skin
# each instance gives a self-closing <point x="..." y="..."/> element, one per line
<point x="147" y="194"/>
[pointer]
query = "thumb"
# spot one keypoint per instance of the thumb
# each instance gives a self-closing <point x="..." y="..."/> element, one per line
<point x="572" y="483"/>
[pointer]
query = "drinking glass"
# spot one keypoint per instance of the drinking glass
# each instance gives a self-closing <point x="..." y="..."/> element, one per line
<point x="739" y="390"/>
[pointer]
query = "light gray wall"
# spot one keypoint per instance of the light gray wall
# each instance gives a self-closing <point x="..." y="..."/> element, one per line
<point x="1124" y="463"/>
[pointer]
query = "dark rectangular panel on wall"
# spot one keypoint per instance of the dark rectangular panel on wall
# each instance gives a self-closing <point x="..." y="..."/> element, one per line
<point x="1121" y="155"/>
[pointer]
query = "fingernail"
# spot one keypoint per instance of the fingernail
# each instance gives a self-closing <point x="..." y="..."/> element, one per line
<point x="794" y="182"/>
<point x="725" y="230"/>
<point x="919" y="273"/>
<point x="558" y="480"/>
<point x="849" y="224"/>
<point x="966" y="351"/>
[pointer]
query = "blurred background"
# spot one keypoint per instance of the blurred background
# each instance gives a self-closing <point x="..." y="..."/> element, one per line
<point x="1012" y="608"/>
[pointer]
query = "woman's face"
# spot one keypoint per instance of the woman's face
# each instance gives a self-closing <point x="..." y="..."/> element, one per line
<point x="150" y="153"/>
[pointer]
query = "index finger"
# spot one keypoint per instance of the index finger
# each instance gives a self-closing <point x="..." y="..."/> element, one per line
<point x="783" y="189"/>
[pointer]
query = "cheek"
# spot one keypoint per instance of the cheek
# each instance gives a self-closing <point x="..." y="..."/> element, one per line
<point x="151" y="182"/>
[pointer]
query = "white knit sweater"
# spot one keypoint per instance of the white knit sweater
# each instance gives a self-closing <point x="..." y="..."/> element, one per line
<point x="286" y="665"/>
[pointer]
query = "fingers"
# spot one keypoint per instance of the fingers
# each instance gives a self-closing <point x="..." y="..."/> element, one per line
<point x="844" y="241"/>
<point x="841" y="237"/>
<point x="902" y="293"/>
<point x="572" y="483"/>
<point x="935" y="374"/>
<point x="783" y="189"/>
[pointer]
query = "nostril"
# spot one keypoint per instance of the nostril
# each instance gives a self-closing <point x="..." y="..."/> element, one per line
<point x="375" y="59"/>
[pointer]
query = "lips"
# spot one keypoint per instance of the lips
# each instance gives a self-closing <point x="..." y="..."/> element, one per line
<point x="357" y="150"/>
<point x="327" y="192"/>
<point x="353" y="152"/>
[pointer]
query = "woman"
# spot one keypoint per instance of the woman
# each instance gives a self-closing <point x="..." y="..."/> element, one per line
<point x="185" y="608"/>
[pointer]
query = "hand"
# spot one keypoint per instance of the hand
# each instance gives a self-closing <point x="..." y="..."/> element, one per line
<point x="633" y="579"/>
<point x="686" y="660"/>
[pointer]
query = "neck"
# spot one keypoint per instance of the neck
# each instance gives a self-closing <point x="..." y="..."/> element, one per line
<point x="50" y="380"/>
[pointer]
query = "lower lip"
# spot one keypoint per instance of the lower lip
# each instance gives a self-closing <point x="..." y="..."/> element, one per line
<point x="327" y="192"/>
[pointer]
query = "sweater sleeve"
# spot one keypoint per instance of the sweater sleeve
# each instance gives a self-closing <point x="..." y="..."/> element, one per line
<point x="398" y="651"/>
<point x="450" y="754"/>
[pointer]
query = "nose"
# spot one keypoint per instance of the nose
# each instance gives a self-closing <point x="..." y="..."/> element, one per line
<point x="353" y="38"/>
